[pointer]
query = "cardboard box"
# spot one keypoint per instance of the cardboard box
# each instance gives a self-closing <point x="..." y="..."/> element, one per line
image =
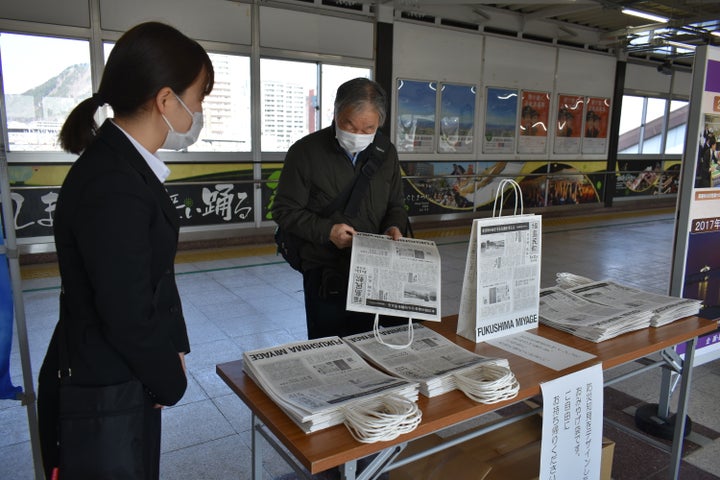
<point x="509" y="453"/>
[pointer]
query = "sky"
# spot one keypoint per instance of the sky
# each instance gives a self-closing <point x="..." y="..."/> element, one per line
<point x="28" y="61"/>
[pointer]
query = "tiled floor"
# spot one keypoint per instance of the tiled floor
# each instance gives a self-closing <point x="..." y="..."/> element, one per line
<point x="239" y="299"/>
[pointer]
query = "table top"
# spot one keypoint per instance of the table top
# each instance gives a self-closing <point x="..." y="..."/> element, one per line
<point x="334" y="446"/>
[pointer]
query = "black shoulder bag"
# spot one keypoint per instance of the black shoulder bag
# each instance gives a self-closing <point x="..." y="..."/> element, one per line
<point x="289" y="244"/>
<point x="100" y="428"/>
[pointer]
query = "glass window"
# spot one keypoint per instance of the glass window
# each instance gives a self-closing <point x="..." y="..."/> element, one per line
<point x="642" y="121"/>
<point x="332" y="77"/>
<point x="226" y="111"/>
<point x="677" y="105"/>
<point x="675" y="142"/>
<point x="677" y="124"/>
<point x="655" y="109"/>
<point x="44" y="79"/>
<point x="631" y="113"/>
<point x="289" y="102"/>
<point x="653" y="126"/>
<point x="631" y="149"/>
<point x="652" y="144"/>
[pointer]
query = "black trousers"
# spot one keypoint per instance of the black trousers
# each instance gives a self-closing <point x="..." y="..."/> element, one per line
<point x="325" y="298"/>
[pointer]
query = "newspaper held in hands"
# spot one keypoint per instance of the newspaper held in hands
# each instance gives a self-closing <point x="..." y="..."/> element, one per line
<point x="312" y="380"/>
<point x="431" y="359"/>
<point x="394" y="277"/>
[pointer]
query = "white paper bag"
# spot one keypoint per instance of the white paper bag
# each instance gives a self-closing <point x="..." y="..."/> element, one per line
<point x="501" y="287"/>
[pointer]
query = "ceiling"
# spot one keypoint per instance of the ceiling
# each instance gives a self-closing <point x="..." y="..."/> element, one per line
<point x="594" y="24"/>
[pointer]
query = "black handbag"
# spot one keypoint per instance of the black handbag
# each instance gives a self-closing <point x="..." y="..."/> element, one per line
<point x="100" y="428"/>
<point x="289" y="244"/>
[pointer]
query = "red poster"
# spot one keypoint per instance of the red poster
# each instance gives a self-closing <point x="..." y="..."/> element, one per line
<point x="535" y="113"/>
<point x="596" y="118"/>
<point x="570" y="111"/>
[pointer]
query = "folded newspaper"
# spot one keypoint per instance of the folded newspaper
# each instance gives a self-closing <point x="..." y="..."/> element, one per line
<point x="592" y="321"/>
<point x="664" y="308"/>
<point x="394" y="277"/>
<point x="431" y="359"/>
<point x="314" y="380"/>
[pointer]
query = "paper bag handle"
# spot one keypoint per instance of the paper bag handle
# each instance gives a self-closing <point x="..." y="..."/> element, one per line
<point x="497" y="212"/>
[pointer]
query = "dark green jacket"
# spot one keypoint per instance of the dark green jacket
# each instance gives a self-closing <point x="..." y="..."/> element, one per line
<point x="315" y="172"/>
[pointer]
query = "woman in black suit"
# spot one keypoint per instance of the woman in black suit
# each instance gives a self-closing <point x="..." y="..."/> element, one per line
<point x="116" y="231"/>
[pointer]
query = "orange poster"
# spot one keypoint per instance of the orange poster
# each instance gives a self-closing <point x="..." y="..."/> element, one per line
<point x="570" y="111"/>
<point x="596" y="118"/>
<point x="534" y="114"/>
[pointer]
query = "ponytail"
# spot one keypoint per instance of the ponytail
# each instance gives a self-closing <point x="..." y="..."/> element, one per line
<point x="80" y="127"/>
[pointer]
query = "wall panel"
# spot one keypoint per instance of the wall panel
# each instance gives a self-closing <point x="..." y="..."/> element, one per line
<point x="74" y="13"/>
<point x="314" y="33"/>
<point x="212" y="20"/>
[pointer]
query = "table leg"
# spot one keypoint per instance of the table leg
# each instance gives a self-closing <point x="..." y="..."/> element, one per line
<point x="255" y="449"/>
<point x="348" y="470"/>
<point x="679" y="435"/>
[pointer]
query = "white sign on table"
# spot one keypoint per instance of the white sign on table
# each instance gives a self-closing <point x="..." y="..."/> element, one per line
<point x="572" y="426"/>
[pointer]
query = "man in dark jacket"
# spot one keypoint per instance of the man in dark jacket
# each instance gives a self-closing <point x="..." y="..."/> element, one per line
<point x="318" y="169"/>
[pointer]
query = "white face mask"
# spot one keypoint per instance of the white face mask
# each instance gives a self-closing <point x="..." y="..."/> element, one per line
<point x="353" y="142"/>
<point x="177" y="140"/>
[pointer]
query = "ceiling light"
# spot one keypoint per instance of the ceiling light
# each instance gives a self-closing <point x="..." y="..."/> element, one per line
<point x="717" y="34"/>
<point x="647" y="16"/>
<point x="686" y="46"/>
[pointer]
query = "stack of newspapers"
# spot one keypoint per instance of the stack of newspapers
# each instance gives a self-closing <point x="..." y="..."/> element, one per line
<point x="431" y="359"/>
<point x="314" y="381"/>
<point x="567" y="311"/>
<point x="664" y="308"/>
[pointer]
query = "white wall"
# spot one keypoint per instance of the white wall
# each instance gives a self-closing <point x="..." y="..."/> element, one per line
<point x="431" y="53"/>
<point x="313" y="33"/>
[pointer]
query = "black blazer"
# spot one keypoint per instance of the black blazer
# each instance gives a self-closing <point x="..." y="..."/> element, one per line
<point x="116" y="234"/>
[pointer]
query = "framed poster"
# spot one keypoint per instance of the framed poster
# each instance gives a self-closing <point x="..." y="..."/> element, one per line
<point x="597" y="113"/>
<point x="569" y="123"/>
<point x="500" y="120"/>
<point x="534" y="114"/>
<point x="696" y="257"/>
<point x="416" y="110"/>
<point x="457" y="118"/>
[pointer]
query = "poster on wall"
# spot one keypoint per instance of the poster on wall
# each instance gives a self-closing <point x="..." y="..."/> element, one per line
<point x="534" y="114"/>
<point x="696" y="266"/>
<point x="416" y="109"/>
<point x="457" y="118"/>
<point x="597" y="112"/>
<point x="646" y="177"/>
<point x="202" y="193"/>
<point x="569" y="123"/>
<point x="500" y="120"/>
<point x="448" y="187"/>
<point x="558" y="183"/>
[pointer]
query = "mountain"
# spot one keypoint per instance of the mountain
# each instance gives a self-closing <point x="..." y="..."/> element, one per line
<point x="52" y="100"/>
<point x="73" y="82"/>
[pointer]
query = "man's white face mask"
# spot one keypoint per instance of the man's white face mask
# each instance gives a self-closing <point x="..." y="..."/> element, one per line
<point x="353" y="142"/>
<point x="176" y="140"/>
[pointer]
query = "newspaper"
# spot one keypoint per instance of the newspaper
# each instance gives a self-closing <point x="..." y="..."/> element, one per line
<point x="431" y="359"/>
<point x="664" y="308"/>
<point x="394" y="277"/>
<point x="566" y="311"/>
<point x="313" y="379"/>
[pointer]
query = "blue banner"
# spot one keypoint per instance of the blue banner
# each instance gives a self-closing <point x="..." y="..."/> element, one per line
<point x="7" y="390"/>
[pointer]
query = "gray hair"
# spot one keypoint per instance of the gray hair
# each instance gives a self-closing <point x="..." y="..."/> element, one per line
<point x="361" y="92"/>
